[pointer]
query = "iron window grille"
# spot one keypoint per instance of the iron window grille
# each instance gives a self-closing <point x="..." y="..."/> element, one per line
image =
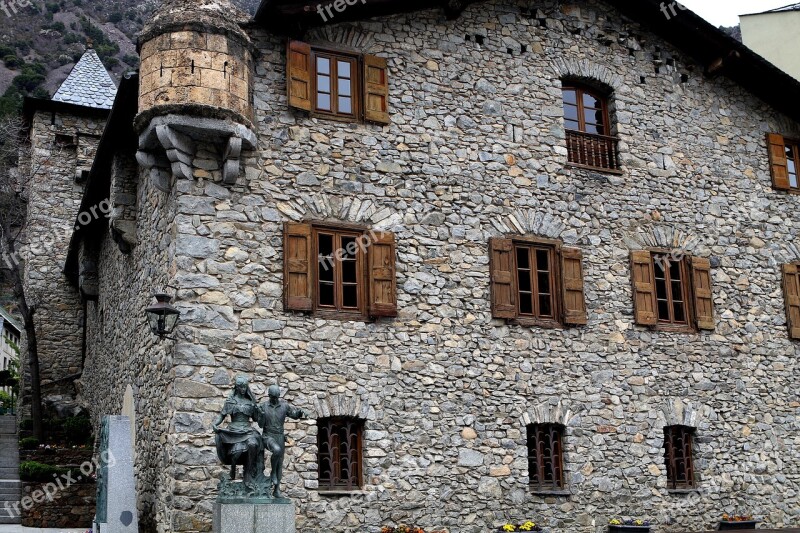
<point x="339" y="441"/>
<point x="545" y="457"/>
<point x="678" y="456"/>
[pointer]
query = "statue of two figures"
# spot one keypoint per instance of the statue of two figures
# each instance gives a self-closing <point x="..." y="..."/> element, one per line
<point x="239" y="443"/>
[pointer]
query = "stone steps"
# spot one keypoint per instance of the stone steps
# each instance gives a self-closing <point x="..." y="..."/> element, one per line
<point x="10" y="486"/>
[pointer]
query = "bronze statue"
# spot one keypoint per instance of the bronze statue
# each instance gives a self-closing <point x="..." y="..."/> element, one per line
<point x="240" y="443"/>
<point x="272" y="417"/>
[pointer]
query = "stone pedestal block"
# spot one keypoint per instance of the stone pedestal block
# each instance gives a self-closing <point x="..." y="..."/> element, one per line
<point x="116" y="486"/>
<point x="254" y="518"/>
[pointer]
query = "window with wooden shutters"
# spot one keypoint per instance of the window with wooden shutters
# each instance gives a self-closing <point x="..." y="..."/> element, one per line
<point x="678" y="441"/>
<point x="791" y="296"/>
<point x="545" y="457"/>
<point x="341" y="272"/>
<point x="338" y="85"/>
<point x="339" y="445"/>
<point x="672" y="292"/>
<point x="784" y="157"/>
<point x="536" y="282"/>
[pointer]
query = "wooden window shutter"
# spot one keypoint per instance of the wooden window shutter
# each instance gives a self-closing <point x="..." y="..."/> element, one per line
<point x="703" y="300"/>
<point x="298" y="74"/>
<point x="778" y="164"/>
<point x="573" y="287"/>
<point x="791" y="295"/>
<point x="503" y="280"/>
<point x="297" y="282"/>
<point x="376" y="89"/>
<point x="644" y="289"/>
<point x="381" y="258"/>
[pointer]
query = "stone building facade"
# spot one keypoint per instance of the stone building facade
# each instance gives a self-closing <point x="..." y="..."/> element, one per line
<point x="474" y="149"/>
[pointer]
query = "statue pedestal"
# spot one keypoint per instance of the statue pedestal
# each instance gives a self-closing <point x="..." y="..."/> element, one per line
<point x="276" y="517"/>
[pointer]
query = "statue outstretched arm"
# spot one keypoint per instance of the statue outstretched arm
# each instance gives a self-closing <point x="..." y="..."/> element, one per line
<point x="295" y="413"/>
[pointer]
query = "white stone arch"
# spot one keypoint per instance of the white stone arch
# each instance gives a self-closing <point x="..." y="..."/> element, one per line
<point x="589" y="72"/>
<point x="343" y="209"/>
<point x="647" y="236"/>
<point x="552" y="411"/>
<point x="681" y="412"/>
<point x="538" y="223"/>
<point x="345" y="36"/>
<point x="342" y="405"/>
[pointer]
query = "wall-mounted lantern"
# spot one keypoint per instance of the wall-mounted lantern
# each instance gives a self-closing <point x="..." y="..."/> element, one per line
<point x="161" y="316"/>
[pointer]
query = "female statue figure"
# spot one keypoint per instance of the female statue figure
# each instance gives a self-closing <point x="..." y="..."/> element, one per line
<point x="240" y="443"/>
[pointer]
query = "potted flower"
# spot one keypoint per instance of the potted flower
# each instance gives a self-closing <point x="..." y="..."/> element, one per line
<point x="737" y="521"/>
<point x="617" y="525"/>
<point x="525" y="526"/>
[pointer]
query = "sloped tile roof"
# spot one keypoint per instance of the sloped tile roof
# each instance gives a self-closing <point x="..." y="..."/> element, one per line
<point x="88" y="84"/>
<point x="793" y="7"/>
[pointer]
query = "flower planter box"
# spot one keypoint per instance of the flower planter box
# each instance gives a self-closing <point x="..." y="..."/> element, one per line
<point x="628" y="529"/>
<point x="746" y="524"/>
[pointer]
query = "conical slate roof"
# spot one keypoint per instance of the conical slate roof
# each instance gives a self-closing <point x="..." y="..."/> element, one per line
<point x="88" y="84"/>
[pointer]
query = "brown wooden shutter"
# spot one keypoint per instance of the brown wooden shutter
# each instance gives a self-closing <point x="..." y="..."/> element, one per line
<point x="644" y="289"/>
<point x="376" y="89"/>
<point x="791" y="295"/>
<point x="297" y="282"/>
<point x="703" y="300"/>
<point x="298" y="74"/>
<point x="381" y="257"/>
<point x="778" y="163"/>
<point x="572" y="287"/>
<point x="503" y="280"/>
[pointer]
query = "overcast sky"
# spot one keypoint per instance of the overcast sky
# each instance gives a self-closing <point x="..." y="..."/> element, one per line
<point x="726" y="12"/>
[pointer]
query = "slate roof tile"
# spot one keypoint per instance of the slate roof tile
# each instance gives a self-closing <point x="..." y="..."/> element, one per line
<point x="88" y="84"/>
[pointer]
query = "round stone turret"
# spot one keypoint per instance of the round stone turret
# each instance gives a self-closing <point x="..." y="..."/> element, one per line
<point x="196" y="61"/>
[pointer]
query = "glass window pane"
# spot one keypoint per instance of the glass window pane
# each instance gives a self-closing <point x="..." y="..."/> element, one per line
<point x="593" y="129"/>
<point x="522" y="258"/>
<point x="349" y="271"/>
<point x="593" y="116"/>
<point x="680" y="315"/>
<point x="543" y="278"/>
<point x="793" y="181"/>
<point x="324" y="101"/>
<point x="545" y="305"/>
<point x="590" y="101"/>
<point x="570" y="112"/>
<point x="543" y="260"/>
<point x="663" y="310"/>
<point x="344" y="87"/>
<point x="323" y="84"/>
<point x="675" y="270"/>
<point x="344" y="69"/>
<point x="326" y="294"/>
<point x="572" y="125"/>
<point x="570" y="97"/>
<point x="345" y="104"/>
<point x="525" y="304"/>
<point x="325" y="244"/>
<point x="323" y="65"/>
<point x="350" y="296"/>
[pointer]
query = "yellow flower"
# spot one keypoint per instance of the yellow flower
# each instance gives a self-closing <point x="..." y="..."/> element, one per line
<point x="616" y="522"/>
<point x="509" y="527"/>
<point x="527" y="526"/>
<point x="639" y="522"/>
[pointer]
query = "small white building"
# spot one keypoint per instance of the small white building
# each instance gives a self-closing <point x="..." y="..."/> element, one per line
<point x="775" y="35"/>
<point x="9" y="343"/>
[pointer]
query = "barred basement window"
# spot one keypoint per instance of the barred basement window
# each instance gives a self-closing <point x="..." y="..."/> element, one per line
<point x="339" y="441"/>
<point x="545" y="457"/>
<point x="678" y="456"/>
<point x="588" y="129"/>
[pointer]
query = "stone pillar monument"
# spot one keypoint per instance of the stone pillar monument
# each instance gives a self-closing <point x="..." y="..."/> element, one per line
<point x="116" y="486"/>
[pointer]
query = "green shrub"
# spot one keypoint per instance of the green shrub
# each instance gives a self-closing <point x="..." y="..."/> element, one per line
<point x="13" y="62"/>
<point x="115" y="17"/>
<point x="29" y="443"/>
<point x="35" y="471"/>
<point x="6" y="401"/>
<point x="78" y="430"/>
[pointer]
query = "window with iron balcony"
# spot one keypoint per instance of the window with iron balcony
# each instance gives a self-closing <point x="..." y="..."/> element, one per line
<point x="588" y="129"/>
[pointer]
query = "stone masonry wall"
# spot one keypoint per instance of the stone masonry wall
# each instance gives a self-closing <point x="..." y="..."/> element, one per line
<point x="52" y="207"/>
<point x="476" y="149"/>
<point x="121" y="351"/>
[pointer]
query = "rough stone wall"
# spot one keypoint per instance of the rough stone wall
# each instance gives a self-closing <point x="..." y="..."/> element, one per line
<point x="192" y="67"/>
<point x="121" y="351"/>
<point x="52" y="207"/>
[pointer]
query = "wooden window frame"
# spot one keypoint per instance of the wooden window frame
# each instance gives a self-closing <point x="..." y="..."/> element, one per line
<point x="357" y="62"/>
<point x="679" y="480"/>
<point x="687" y="294"/>
<point x="536" y="445"/>
<point x="795" y="144"/>
<point x="355" y="481"/>
<point x="338" y="312"/>
<point x="606" y="138"/>
<point x="552" y="249"/>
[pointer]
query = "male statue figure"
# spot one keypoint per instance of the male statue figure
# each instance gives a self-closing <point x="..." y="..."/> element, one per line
<point x="272" y="416"/>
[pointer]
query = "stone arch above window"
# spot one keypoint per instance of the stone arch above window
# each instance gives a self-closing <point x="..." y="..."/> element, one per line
<point x="342" y="406"/>
<point x="343" y="36"/>
<point x="557" y="412"/>
<point x="326" y="208"/>
<point x="534" y="223"/>
<point x="680" y="412"/>
<point x="588" y="73"/>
